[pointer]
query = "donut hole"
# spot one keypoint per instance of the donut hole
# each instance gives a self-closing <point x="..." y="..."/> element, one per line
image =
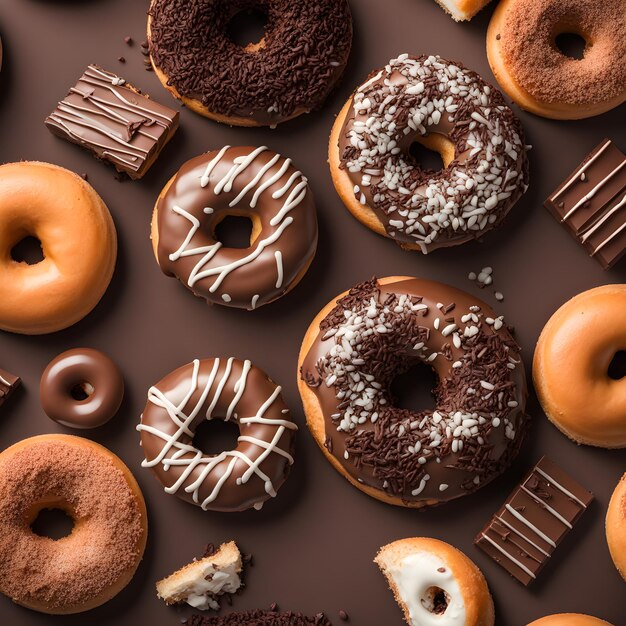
<point x="215" y="435"/>
<point x="246" y="28"/>
<point x="571" y="45"/>
<point x="617" y="366"/>
<point x="413" y="388"/>
<point x="53" y="523"/>
<point x="435" y="600"/>
<point x="82" y="391"/>
<point x="234" y="231"/>
<point x="28" y="250"/>
<point x="431" y="153"/>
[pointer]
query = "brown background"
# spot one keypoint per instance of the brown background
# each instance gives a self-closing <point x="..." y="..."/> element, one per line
<point x="314" y="544"/>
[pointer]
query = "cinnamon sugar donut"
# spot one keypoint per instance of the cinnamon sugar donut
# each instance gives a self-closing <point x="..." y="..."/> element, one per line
<point x="532" y="70"/>
<point x="93" y="486"/>
<point x="78" y="241"/>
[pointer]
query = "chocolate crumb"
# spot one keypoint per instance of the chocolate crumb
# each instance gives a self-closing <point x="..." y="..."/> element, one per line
<point x="128" y="40"/>
<point x="343" y="615"/>
<point x="121" y="59"/>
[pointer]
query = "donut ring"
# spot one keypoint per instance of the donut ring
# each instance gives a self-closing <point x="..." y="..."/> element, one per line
<point x="81" y="370"/>
<point x="569" y="619"/>
<point x="449" y="109"/>
<point x="93" y="486"/>
<point x="578" y="340"/>
<point x="362" y="340"/>
<point x="616" y="527"/>
<point x="229" y="390"/>
<point x="532" y="70"/>
<point x="251" y="182"/>
<point x="78" y="241"/>
<point x="289" y="72"/>
<point x="434" y="583"/>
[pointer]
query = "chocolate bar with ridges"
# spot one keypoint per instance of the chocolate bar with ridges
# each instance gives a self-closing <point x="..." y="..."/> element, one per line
<point x="8" y="384"/>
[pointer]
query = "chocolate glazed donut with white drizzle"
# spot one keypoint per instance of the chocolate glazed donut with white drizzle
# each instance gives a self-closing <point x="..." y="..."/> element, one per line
<point x="356" y="347"/>
<point x="230" y="390"/>
<point x="251" y="182"/>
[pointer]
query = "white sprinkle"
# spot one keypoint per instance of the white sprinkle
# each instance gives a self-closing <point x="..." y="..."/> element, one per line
<point x="226" y="297"/>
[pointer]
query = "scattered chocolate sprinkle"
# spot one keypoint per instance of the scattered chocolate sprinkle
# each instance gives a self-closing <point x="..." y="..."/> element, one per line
<point x="343" y="615"/>
<point x="273" y="606"/>
<point x="128" y="40"/>
<point x="260" y="617"/>
<point x="121" y="59"/>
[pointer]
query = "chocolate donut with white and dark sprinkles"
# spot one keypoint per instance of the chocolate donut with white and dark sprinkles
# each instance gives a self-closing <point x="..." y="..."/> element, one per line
<point x="357" y="346"/>
<point x="291" y="71"/>
<point x="445" y="106"/>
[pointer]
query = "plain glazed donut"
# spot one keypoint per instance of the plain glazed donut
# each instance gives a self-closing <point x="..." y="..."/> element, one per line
<point x="78" y="241"/>
<point x="81" y="388"/>
<point x="449" y="109"/>
<point x="435" y="584"/>
<point x="251" y="182"/>
<point x="571" y="365"/>
<point x="230" y="390"/>
<point x="289" y="72"/>
<point x="93" y="486"/>
<point x="569" y="619"/>
<point x="616" y="527"/>
<point x="532" y="70"/>
<point x="362" y="340"/>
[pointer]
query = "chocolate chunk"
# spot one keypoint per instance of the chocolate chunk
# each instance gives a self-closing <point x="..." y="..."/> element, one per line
<point x="8" y="384"/>
<point x="114" y="121"/>
<point x="534" y="520"/>
<point x="591" y="203"/>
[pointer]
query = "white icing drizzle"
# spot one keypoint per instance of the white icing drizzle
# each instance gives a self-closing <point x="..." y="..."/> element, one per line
<point x="547" y="507"/>
<point x="595" y="227"/>
<point x="507" y="555"/>
<point x="532" y="527"/>
<point x="255" y="299"/>
<point x="522" y="535"/>
<point x="4" y="381"/>
<point x="278" y="255"/>
<point x="198" y="459"/>
<point x="560" y="487"/>
<point x="581" y="170"/>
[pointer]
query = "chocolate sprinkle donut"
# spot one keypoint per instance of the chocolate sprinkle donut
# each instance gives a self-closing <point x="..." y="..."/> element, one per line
<point x="419" y="458"/>
<point x="291" y="71"/>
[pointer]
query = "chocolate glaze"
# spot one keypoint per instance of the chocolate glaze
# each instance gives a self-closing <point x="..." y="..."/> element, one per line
<point x="443" y="473"/>
<point x="523" y="534"/>
<point x="76" y="373"/>
<point x="407" y="199"/>
<point x="254" y="182"/>
<point x="226" y="389"/>
<point x="591" y="203"/>
<point x="114" y="121"/>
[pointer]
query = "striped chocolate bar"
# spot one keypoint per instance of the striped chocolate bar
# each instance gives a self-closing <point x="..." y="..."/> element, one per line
<point x="534" y="520"/>
<point x="591" y="203"/>
<point x="8" y="384"/>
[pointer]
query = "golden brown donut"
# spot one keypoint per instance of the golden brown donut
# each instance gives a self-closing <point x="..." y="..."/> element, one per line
<point x="616" y="527"/>
<point x="93" y="486"/>
<point x="436" y="584"/>
<point x="571" y="364"/>
<point x="532" y="70"/>
<point x="78" y="241"/>
<point x="569" y="619"/>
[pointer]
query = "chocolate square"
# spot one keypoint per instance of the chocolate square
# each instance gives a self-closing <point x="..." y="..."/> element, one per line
<point x="8" y="384"/>
<point x="114" y="121"/>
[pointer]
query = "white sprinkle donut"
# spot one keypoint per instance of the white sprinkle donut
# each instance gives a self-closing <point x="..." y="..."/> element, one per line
<point x="449" y="109"/>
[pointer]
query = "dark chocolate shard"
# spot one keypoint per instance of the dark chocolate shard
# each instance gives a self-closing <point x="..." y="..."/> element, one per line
<point x="8" y="384"/>
<point x="113" y="120"/>
<point x="591" y="203"/>
<point x="534" y="520"/>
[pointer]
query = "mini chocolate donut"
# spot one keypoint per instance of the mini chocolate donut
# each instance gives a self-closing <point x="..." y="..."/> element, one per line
<point x="229" y="390"/>
<point x="449" y="109"/>
<point x="356" y="347"/>
<point x="81" y="388"/>
<point x="252" y="182"/>
<point x="289" y="72"/>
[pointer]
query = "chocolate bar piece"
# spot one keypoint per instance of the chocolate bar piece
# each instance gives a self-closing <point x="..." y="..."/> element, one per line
<point x="114" y="121"/>
<point x="8" y="384"/>
<point x="524" y="533"/>
<point x="591" y="203"/>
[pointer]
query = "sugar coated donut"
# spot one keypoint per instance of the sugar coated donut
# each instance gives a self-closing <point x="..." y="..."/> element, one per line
<point x="356" y="347"/>
<point x="528" y="65"/>
<point x="81" y="388"/>
<point x="569" y="619"/>
<point x="78" y="242"/>
<point x="449" y="109"/>
<point x="571" y="367"/>
<point x="252" y="182"/>
<point x="616" y="527"/>
<point x="230" y="390"/>
<point x="291" y="71"/>
<point x="435" y="584"/>
<point x="93" y="486"/>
